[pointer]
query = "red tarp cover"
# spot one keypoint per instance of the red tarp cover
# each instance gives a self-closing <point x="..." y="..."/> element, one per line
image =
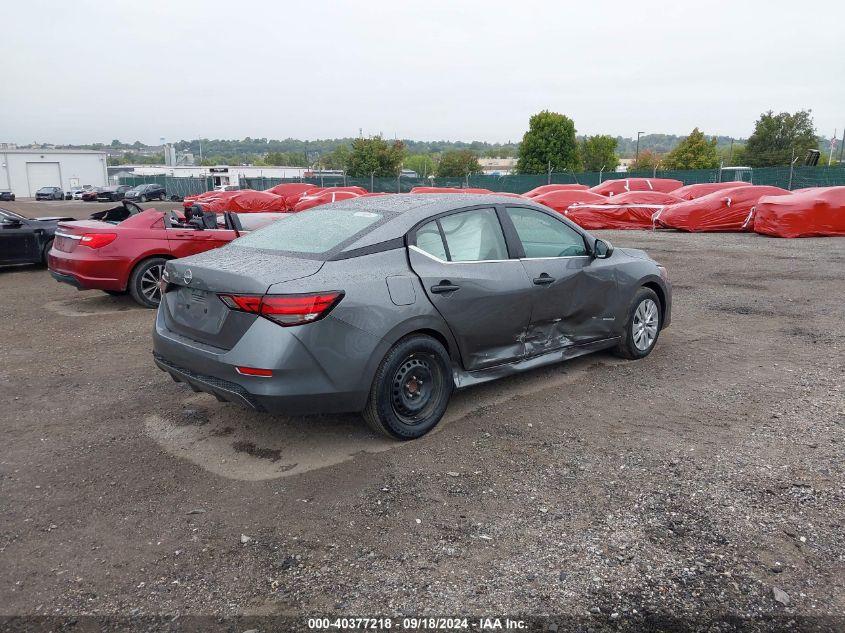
<point x="245" y="201"/>
<point x="613" y="187"/>
<point x="727" y="210"/>
<point x="448" y="190"/>
<point x="209" y="196"/>
<point x="819" y="212"/>
<point x="691" y="192"/>
<point x="291" y="188"/>
<point x="324" y="197"/>
<point x="539" y="191"/>
<point x="561" y="200"/>
<point x="632" y="210"/>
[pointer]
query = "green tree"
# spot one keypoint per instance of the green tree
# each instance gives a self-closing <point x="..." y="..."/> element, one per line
<point x="375" y="155"/>
<point x="459" y="162"/>
<point x="694" y="152"/>
<point x="776" y="135"/>
<point x="646" y="161"/>
<point x="338" y="158"/>
<point x="550" y="140"/>
<point x="424" y="164"/>
<point x="599" y="152"/>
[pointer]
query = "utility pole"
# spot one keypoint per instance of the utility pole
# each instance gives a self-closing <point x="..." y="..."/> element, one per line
<point x="791" y="169"/>
<point x="637" y="157"/>
<point x="832" y="144"/>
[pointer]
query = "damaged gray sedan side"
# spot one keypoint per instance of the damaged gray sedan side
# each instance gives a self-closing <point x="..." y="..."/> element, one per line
<point x="384" y="305"/>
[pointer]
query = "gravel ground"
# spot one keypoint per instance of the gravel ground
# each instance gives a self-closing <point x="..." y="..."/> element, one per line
<point x="700" y="487"/>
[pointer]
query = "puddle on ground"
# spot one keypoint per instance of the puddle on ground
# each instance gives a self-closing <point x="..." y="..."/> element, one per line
<point x="242" y="444"/>
<point x="92" y="304"/>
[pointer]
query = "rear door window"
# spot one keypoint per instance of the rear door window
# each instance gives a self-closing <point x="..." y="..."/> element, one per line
<point x="430" y="240"/>
<point x="474" y="236"/>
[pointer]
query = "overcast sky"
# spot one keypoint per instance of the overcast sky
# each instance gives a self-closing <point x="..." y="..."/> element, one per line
<point x="87" y="71"/>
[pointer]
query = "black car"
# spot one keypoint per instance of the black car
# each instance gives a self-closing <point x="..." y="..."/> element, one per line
<point x="50" y="193"/>
<point x="142" y="193"/>
<point x="25" y="240"/>
<point x="7" y="196"/>
<point x="112" y="194"/>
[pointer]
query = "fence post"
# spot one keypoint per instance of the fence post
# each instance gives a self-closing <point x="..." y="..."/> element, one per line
<point x="791" y="169"/>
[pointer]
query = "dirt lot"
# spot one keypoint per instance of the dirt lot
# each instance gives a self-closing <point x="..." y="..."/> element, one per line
<point x="703" y="483"/>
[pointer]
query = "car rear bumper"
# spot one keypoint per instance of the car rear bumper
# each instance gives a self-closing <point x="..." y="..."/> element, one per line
<point x="85" y="274"/>
<point x="302" y="382"/>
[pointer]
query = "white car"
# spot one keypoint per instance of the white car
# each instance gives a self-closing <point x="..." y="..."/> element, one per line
<point x="76" y="192"/>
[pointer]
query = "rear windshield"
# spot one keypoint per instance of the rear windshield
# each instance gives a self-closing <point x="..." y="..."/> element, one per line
<point x="312" y="233"/>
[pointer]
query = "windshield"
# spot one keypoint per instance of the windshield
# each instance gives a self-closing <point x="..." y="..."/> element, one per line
<point x="10" y="214"/>
<point x="312" y="233"/>
<point x="46" y="190"/>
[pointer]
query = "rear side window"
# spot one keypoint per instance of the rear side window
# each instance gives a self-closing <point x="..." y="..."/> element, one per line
<point x="430" y="241"/>
<point x="474" y="236"/>
<point x="312" y="233"/>
<point x="544" y="236"/>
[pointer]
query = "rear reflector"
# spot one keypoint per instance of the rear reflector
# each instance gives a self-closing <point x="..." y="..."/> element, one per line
<point x="252" y="371"/>
<point x="286" y="310"/>
<point x="97" y="240"/>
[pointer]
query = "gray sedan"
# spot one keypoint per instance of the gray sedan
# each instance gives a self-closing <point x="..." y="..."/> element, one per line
<point x="385" y="305"/>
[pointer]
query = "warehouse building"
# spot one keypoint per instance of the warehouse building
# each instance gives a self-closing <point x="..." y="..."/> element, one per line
<point x="25" y="171"/>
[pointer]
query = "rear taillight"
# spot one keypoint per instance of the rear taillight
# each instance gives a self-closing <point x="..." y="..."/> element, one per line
<point x="97" y="240"/>
<point x="286" y="310"/>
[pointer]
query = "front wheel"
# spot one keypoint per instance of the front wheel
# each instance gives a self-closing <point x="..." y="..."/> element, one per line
<point x="642" y="326"/>
<point x="411" y="389"/>
<point x="144" y="282"/>
<point x="46" y="251"/>
<point x="143" y="199"/>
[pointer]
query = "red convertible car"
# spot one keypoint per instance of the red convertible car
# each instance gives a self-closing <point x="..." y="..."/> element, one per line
<point x="124" y="249"/>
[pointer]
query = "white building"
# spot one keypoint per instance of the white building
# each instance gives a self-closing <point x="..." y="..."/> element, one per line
<point x="222" y="174"/>
<point x="25" y="171"/>
<point x="497" y="166"/>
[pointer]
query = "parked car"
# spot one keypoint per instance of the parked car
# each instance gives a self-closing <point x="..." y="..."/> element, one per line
<point x="384" y="305"/>
<point x="7" y="196"/>
<point x="124" y="249"/>
<point x="112" y="194"/>
<point x="50" y="193"/>
<point x="142" y="193"/>
<point x="90" y="195"/>
<point x="25" y="240"/>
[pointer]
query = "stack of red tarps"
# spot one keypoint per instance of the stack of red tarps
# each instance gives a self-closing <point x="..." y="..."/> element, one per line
<point x="728" y="210"/>
<point x="562" y="199"/>
<point x="539" y="191"/>
<point x="632" y="210"/>
<point x="691" y="192"/>
<point x="245" y="201"/>
<point x="448" y="190"/>
<point x="326" y="196"/>
<point x="614" y="187"/>
<point x="818" y="212"/>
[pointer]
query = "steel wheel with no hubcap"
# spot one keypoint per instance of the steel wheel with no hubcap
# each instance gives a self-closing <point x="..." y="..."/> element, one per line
<point x="415" y="387"/>
<point x="646" y="318"/>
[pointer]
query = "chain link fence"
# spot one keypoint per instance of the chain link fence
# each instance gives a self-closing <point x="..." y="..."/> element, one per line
<point x="784" y="177"/>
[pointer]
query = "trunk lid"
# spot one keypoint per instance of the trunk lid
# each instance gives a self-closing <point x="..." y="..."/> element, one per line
<point x="191" y="306"/>
<point x="67" y="234"/>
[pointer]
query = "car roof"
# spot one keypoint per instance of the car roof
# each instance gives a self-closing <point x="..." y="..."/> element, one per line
<point x="404" y="211"/>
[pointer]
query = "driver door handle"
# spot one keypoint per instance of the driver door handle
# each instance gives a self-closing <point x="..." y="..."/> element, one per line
<point x="444" y="286"/>
<point x="543" y="280"/>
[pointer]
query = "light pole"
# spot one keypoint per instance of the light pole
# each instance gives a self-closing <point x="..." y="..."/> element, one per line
<point x="637" y="157"/>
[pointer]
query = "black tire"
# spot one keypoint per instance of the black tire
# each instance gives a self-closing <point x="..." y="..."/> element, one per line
<point x="46" y="250"/>
<point x="143" y="198"/>
<point x="139" y="282"/>
<point x="162" y="197"/>
<point x="411" y="389"/>
<point x="633" y="346"/>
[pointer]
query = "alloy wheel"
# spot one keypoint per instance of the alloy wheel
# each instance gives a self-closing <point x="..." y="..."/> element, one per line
<point x="150" y="283"/>
<point x="646" y="320"/>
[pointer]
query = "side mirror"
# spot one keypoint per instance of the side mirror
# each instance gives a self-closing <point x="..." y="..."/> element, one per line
<point x="602" y="249"/>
